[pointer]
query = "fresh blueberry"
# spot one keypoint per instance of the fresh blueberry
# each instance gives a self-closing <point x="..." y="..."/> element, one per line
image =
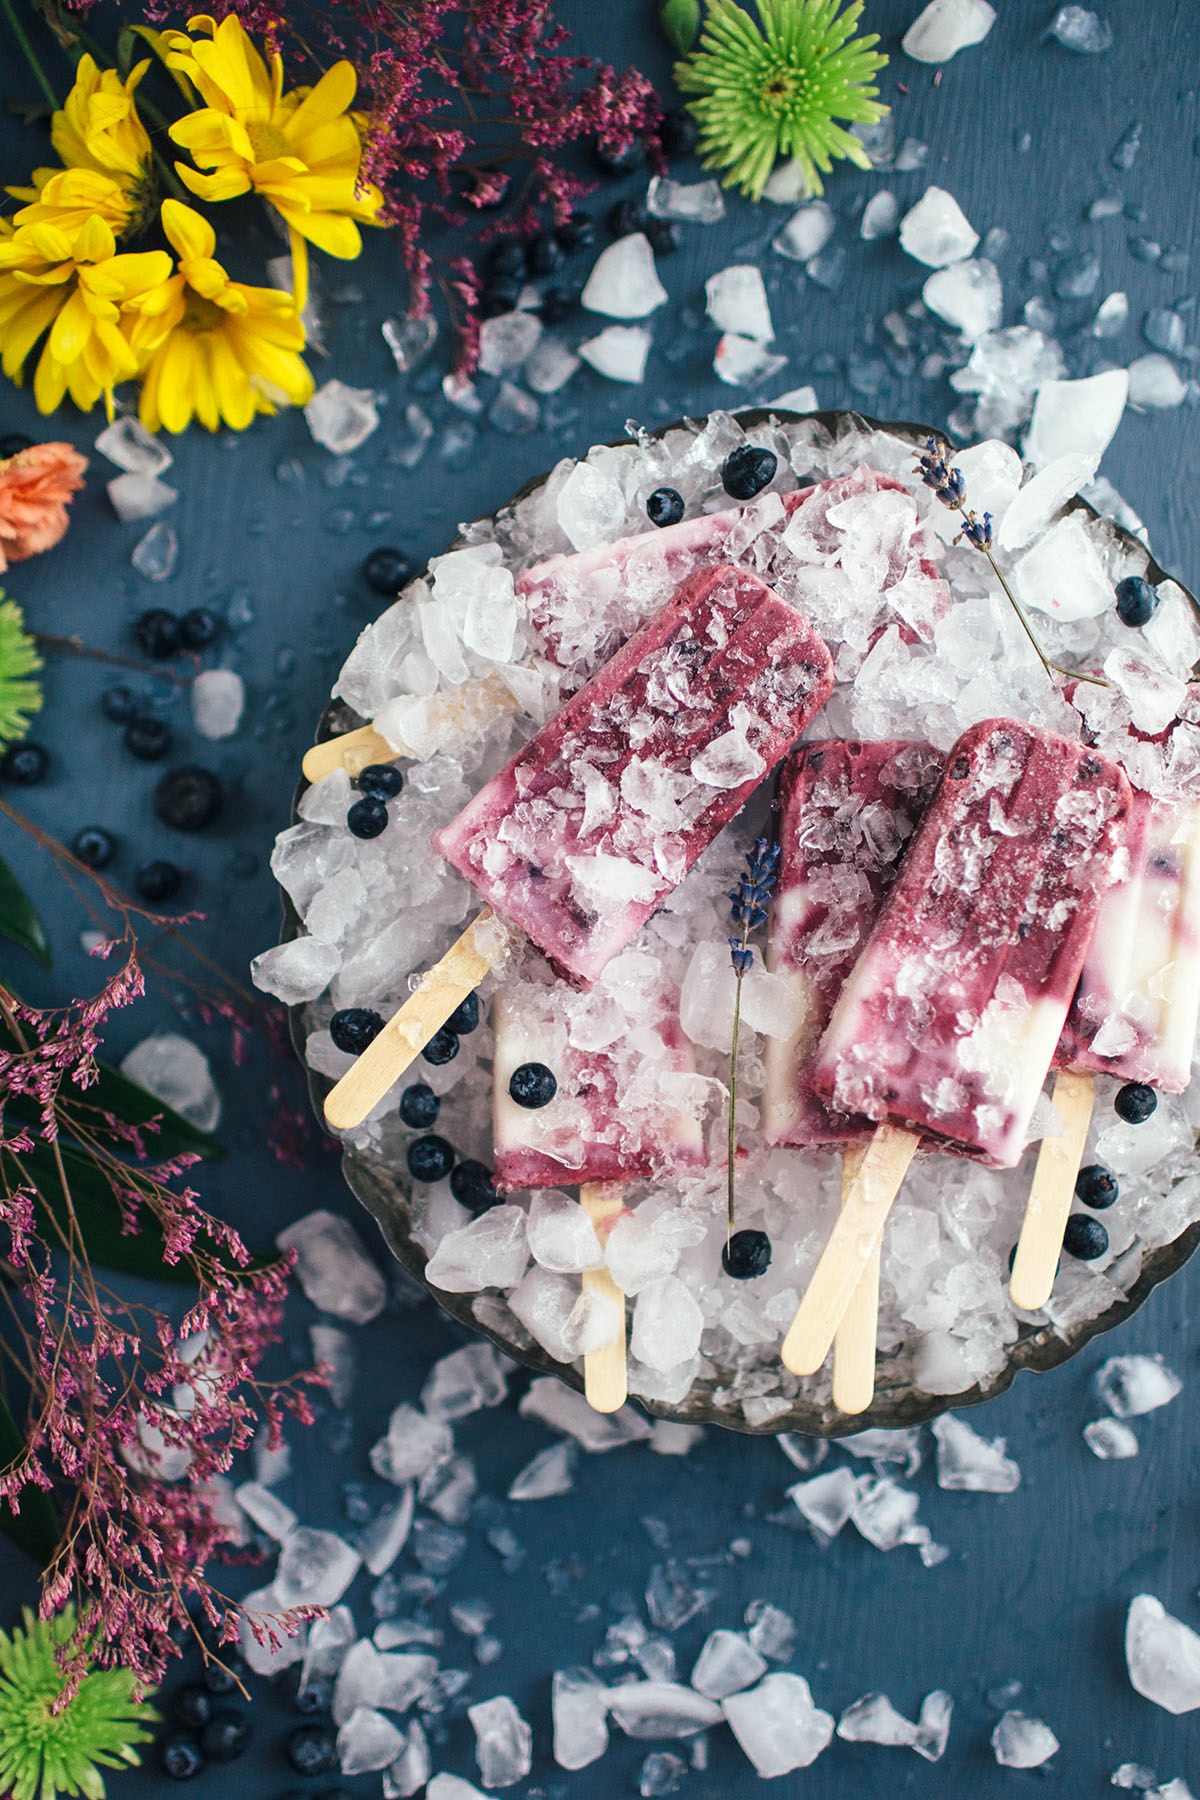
<point x="118" y="704"/>
<point x="746" y="1255"/>
<point x="430" y="1158"/>
<point x="664" y="507"/>
<point x="618" y="162"/>
<point x="419" y="1106"/>
<point x="159" y="880"/>
<point x="1135" y="1102"/>
<point x="532" y="1085"/>
<point x="1085" y="1237"/>
<point x="148" y="739"/>
<point x="558" y="304"/>
<point x="180" y="1755"/>
<point x="12" y="444"/>
<point x="747" y="471"/>
<point x="678" y="132"/>
<point x="312" y="1750"/>
<point x="199" y="628"/>
<point x="368" y="816"/>
<point x="1137" y="601"/>
<point x="1096" y="1187"/>
<point x="226" y="1735"/>
<point x="381" y="780"/>
<point x="579" y="232"/>
<point x="472" y="1186"/>
<point x="499" y="296"/>
<point x="506" y="259"/>
<point x="465" y="1016"/>
<point x="386" y="571"/>
<point x="25" y="764"/>
<point x="157" y="633"/>
<point x="191" y="1705"/>
<point x="95" y="847"/>
<point x="663" y="236"/>
<point x="188" y="799"/>
<point x="314" y="1697"/>
<point x="353" y="1028"/>
<point x="543" y="254"/>
<point x="222" y="1677"/>
<point x="442" y="1047"/>
<point x="624" y="217"/>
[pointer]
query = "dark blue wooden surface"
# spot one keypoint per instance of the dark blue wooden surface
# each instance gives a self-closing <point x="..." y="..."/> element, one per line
<point x="1035" y="1587"/>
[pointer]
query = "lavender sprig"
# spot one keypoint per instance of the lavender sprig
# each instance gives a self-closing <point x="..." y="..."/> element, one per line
<point x="948" y="484"/>
<point x="749" y="910"/>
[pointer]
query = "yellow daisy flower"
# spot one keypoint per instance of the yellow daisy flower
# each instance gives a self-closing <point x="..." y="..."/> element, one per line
<point x="69" y="198"/>
<point x="75" y="289"/>
<point x="301" y="151"/>
<point x="215" y="349"/>
<point x="99" y="128"/>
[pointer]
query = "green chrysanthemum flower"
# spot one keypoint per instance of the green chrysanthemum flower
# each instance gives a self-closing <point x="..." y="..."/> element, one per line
<point x="44" y="1753"/>
<point x="777" y="90"/>
<point x="18" y="660"/>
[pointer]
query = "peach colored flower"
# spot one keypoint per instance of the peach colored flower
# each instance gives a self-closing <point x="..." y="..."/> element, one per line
<point x="36" y="486"/>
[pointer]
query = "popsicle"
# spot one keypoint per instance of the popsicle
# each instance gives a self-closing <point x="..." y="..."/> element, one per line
<point x="1133" y="1015"/>
<point x="596" y="1117"/>
<point x="582" y="835"/>
<point x="846" y="812"/>
<point x="949" y="1019"/>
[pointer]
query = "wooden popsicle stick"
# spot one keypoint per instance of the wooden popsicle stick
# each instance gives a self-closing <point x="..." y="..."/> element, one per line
<point x="852" y="1243"/>
<point x="1040" y="1243"/>
<point x="353" y="751"/>
<point x="408" y="1031"/>
<point x="604" y="1376"/>
<point x="854" y="1345"/>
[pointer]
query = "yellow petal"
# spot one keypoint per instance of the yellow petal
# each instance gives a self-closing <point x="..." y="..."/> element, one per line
<point x="187" y="231"/>
<point x="332" y="96"/>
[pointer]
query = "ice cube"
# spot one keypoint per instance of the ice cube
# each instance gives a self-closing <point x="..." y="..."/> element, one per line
<point x="545" y="1475"/>
<point x="155" y="555"/>
<point x="935" y="231"/>
<point x="1041" y="497"/>
<point x="565" y="1410"/>
<point x="367" y="1741"/>
<point x="506" y="340"/>
<point x="880" y="216"/>
<point x="1022" y="1743"/>
<point x="946" y="27"/>
<point x="381" y="1542"/>
<point x="409" y="339"/>
<point x="1076" y="418"/>
<point x="727" y="1663"/>
<point x="579" y="1702"/>
<point x="624" y="283"/>
<point x="661" y="1773"/>
<point x="1165" y="329"/>
<point x="874" y="1720"/>
<point x="414" y="1444"/>
<point x="968" y="295"/>
<point x="137" y="497"/>
<point x="637" y="1255"/>
<point x="369" y="1678"/>
<point x="333" y="1268"/>
<point x="696" y="203"/>
<point x="514" y="412"/>
<point x="736" y="300"/>
<point x="176" y="1071"/>
<point x="1155" y="697"/>
<point x="1062" y="573"/>
<point x="885" y="1514"/>
<point x="777" y="1724"/>
<point x="551" y="366"/>
<point x="340" y="417"/>
<point x="561" y="1236"/>
<point x="826" y="1502"/>
<point x="968" y="1463"/>
<point x="489" y="1252"/>
<point x="266" y="1510"/>
<point x="727" y="761"/>
<point x="452" y="1787"/>
<point x="772" y="1631"/>
<point x="279" y="1649"/>
<point x="801" y="400"/>
<point x="1133" y="1775"/>
<point x="1080" y="30"/>
<point x="590" y="506"/>
<point x="620" y="352"/>
<point x="1112" y="315"/>
<point x="1110" y="1440"/>
<point x="741" y="360"/>
<point x="465" y="1382"/>
<point x="661" y="1709"/>
<point x="1131" y="1386"/>
<point x="503" y="1741"/>
<point x="315" y="1568"/>
<point x="127" y="443"/>
<point x="1155" y="384"/>
<point x="933" y="1725"/>
<point x="296" y="972"/>
<point x="218" y="698"/>
<point x="807" y="232"/>
<point x="667" y="1324"/>
<point x="328" y="1641"/>
<point x="410" y="1771"/>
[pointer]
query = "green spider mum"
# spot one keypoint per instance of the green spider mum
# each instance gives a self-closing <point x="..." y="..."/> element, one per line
<point x="18" y="660"/>
<point x="47" y="1753"/>
<point x="777" y="90"/>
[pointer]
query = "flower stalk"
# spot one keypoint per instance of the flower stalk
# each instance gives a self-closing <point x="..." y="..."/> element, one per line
<point x="748" y="912"/>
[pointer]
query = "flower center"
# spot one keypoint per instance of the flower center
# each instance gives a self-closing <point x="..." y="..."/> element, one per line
<point x="266" y="140"/>
<point x="200" y="314"/>
<point x="784" y="89"/>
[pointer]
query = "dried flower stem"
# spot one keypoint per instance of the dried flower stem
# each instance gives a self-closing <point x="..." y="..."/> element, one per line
<point x="748" y="912"/>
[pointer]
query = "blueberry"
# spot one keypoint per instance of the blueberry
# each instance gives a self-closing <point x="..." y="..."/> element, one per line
<point x="543" y="254"/>
<point x="1085" y="1237"/>
<point x="472" y="1186"/>
<point x="678" y="132"/>
<point x="188" y="799"/>
<point x="314" y="1697"/>
<point x="500" y="296"/>
<point x="558" y="304"/>
<point x="147" y="739"/>
<point x="354" y="1028"/>
<point x="442" y="1047"/>
<point x="199" y="628"/>
<point x="157" y="881"/>
<point x="1137" y="601"/>
<point x="386" y="571"/>
<point x="368" y="817"/>
<point x="180" y="1755"/>
<point x="579" y="232"/>
<point x="312" y="1750"/>
<point x="226" y="1735"/>
<point x="465" y="1016"/>
<point x="747" y="1255"/>
<point x="1135" y="1102"/>
<point x="625" y="217"/>
<point x="25" y="764"/>
<point x="383" y="781"/>
<point x="1096" y="1187"/>
<point x="191" y="1705"/>
<point x="419" y="1106"/>
<point x="664" y="507"/>
<point x="532" y="1085"/>
<point x="747" y="471"/>
<point x="663" y="235"/>
<point x="430" y="1158"/>
<point x="118" y="704"/>
<point x="506" y="258"/>
<point x="222" y="1677"/>
<point x="157" y="633"/>
<point x="12" y="444"/>
<point x="95" y="847"/>
<point x="617" y="162"/>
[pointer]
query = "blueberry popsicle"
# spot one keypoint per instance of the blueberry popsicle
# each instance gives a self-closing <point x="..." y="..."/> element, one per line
<point x="1133" y="1015"/>
<point x="950" y="1018"/>
<point x="846" y="812"/>
<point x="580" y="838"/>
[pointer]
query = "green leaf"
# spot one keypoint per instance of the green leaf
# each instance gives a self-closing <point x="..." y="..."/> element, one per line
<point x="18" y="921"/>
<point x="35" y="1528"/>
<point x="680" y="20"/>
